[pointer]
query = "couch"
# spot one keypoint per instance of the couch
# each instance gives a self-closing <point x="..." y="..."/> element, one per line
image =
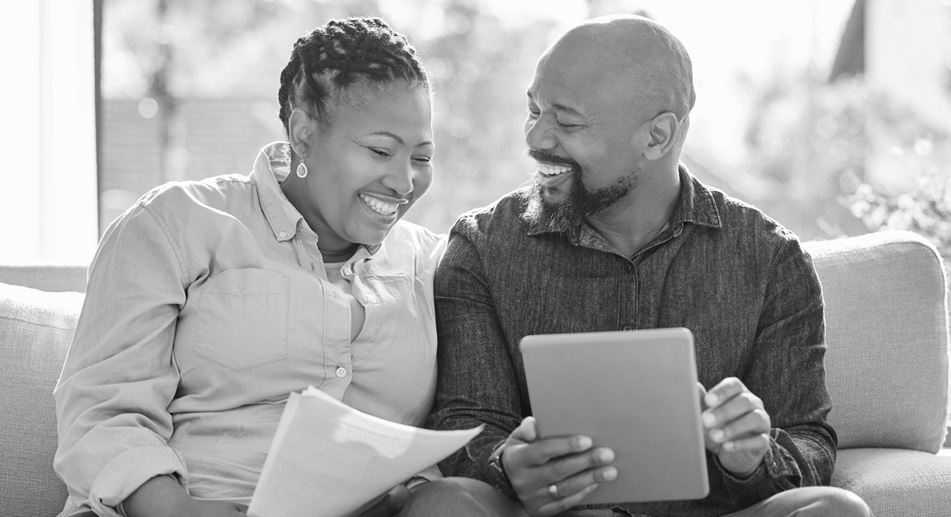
<point x="887" y="372"/>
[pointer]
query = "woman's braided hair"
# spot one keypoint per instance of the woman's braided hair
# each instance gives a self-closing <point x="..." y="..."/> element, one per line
<point x="345" y="57"/>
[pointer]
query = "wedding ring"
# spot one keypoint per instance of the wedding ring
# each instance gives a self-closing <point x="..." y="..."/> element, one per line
<point x="553" y="492"/>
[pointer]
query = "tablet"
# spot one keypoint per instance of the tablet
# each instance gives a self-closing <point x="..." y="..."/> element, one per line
<point x="633" y="391"/>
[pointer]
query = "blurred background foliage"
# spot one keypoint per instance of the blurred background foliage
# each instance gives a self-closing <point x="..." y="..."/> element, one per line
<point x="808" y="145"/>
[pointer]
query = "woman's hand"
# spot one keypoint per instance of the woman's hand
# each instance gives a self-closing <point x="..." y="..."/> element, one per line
<point x="390" y="505"/>
<point x="214" y="509"/>
<point x="162" y="496"/>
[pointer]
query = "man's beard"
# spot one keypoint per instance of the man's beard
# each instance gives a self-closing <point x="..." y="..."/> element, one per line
<point x="579" y="201"/>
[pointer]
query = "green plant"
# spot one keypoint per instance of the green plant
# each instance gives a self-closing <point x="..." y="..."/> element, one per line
<point x="925" y="209"/>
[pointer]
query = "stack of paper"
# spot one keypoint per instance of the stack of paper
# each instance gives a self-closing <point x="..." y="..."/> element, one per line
<point x="328" y="459"/>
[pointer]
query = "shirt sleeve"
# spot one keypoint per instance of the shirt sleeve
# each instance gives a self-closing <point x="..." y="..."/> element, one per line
<point x="120" y="376"/>
<point x="477" y="383"/>
<point x="788" y="375"/>
<point x="430" y="473"/>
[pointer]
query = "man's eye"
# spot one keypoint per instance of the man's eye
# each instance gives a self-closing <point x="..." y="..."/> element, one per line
<point x="532" y="112"/>
<point x="380" y="152"/>
<point x="422" y="159"/>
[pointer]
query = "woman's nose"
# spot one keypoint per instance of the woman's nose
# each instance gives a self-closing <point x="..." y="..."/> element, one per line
<point x="400" y="179"/>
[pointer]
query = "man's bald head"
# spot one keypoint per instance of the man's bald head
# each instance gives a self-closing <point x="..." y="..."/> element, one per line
<point x="638" y="55"/>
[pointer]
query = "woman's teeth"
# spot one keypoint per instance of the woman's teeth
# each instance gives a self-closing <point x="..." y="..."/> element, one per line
<point x="379" y="206"/>
<point x="552" y="170"/>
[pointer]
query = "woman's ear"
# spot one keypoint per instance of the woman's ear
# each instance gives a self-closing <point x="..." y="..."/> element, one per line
<point x="663" y="131"/>
<point x="300" y="131"/>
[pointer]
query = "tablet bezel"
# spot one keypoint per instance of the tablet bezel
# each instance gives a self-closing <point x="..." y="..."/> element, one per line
<point x="579" y="384"/>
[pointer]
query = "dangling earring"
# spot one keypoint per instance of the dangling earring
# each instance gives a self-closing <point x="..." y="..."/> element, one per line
<point x="301" y="169"/>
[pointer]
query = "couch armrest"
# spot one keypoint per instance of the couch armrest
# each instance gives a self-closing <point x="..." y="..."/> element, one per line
<point x="36" y="329"/>
<point x="887" y="337"/>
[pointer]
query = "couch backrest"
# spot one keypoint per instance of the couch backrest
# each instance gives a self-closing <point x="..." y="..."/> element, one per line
<point x="887" y="337"/>
<point x="36" y="329"/>
<point x="49" y="277"/>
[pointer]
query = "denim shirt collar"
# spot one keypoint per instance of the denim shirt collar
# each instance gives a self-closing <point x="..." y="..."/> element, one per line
<point x="696" y="205"/>
<point x="271" y="168"/>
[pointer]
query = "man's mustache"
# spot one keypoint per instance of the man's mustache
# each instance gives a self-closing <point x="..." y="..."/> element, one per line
<point x="542" y="156"/>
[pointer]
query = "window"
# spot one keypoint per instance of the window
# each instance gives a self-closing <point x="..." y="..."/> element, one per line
<point x="48" y="200"/>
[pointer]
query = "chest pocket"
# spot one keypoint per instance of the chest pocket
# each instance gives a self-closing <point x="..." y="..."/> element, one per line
<point x="393" y="317"/>
<point x="242" y="319"/>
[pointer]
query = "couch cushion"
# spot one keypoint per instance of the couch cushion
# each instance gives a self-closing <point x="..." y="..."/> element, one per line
<point x="897" y="482"/>
<point x="36" y="328"/>
<point x="887" y="333"/>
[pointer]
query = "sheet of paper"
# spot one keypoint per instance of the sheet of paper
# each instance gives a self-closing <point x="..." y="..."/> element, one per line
<point x="328" y="459"/>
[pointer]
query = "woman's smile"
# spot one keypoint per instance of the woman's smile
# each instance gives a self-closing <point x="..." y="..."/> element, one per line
<point x="381" y="206"/>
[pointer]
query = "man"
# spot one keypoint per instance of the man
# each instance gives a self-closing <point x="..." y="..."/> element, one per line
<point x="615" y="234"/>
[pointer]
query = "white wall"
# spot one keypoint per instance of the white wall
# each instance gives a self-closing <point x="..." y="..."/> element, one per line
<point x="909" y="53"/>
<point x="908" y="56"/>
<point x="48" y="195"/>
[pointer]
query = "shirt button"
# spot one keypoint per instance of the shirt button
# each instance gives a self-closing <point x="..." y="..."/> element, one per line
<point x="341" y="371"/>
<point x="282" y="234"/>
<point x="630" y="267"/>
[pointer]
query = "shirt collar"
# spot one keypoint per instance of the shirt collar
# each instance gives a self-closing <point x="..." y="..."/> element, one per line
<point x="696" y="205"/>
<point x="271" y="168"/>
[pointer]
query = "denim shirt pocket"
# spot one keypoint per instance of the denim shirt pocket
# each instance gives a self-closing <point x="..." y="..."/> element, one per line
<point x="242" y="319"/>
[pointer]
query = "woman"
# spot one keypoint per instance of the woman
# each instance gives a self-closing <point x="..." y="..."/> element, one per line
<point x="209" y="302"/>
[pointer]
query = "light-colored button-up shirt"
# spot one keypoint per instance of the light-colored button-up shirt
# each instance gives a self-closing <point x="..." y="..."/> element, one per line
<point x="207" y="304"/>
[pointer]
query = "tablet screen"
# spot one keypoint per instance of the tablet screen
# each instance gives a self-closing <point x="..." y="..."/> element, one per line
<point x="633" y="391"/>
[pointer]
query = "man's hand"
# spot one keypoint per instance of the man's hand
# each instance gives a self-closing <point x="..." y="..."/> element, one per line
<point x="736" y="427"/>
<point x="390" y="505"/>
<point x="568" y="463"/>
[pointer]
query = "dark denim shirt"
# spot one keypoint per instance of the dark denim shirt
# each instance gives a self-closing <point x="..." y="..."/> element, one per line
<point x="737" y="279"/>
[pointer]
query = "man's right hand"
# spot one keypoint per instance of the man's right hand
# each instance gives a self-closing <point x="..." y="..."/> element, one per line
<point x="569" y="463"/>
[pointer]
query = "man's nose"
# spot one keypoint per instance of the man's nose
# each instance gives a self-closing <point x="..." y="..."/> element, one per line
<point x="538" y="134"/>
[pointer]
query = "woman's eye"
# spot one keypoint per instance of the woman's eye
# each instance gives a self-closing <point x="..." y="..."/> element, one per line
<point x="380" y="152"/>
<point x="422" y="159"/>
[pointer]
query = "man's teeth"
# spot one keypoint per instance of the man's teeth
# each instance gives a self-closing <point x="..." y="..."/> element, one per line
<point x="379" y="206"/>
<point x="552" y="170"/>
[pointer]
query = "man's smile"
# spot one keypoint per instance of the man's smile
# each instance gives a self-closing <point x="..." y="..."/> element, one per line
<point x="548" y="169"/>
